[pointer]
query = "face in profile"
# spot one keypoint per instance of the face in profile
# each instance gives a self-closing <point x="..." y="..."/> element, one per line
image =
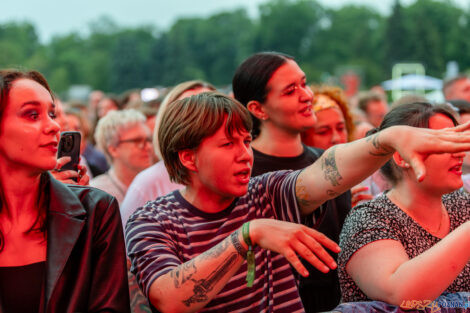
<point x="29" y="134"/>
<point x="288" y="103"/>
<point x="443" y="171"/>
<point x="224" y="164"/>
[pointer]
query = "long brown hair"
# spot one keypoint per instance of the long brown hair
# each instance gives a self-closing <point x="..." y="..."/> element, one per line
<point x="7" y="77"/>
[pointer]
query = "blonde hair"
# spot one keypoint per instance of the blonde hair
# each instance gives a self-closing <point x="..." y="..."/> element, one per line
<point x="112" y="125"/>
<point x="173" y="95"/>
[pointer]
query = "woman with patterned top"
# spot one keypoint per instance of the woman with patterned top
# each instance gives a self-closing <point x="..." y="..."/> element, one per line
<point x="411" y="243"/>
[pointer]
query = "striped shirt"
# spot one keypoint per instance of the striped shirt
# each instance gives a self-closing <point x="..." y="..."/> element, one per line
<point x="170" y="231"/>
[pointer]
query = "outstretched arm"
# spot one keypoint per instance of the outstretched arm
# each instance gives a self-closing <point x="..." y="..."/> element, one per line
<point x="191" y="285"/>
<point x="344" y="166"/>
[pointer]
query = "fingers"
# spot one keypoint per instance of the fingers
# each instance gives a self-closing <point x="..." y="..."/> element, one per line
<point x="418" y="168"/>
<point x="294" y="260"/>
<point x="322" y="239"/>
<point x="312" y="251"/>
<point x="62" y="161"/>
<point x="462" y="127"/>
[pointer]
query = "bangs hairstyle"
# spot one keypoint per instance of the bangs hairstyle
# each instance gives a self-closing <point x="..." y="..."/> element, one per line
<point x="186" y="122"/>
<point x="414" y="114"/>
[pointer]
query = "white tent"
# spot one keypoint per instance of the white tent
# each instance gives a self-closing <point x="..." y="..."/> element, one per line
<point x="413" y="82"/>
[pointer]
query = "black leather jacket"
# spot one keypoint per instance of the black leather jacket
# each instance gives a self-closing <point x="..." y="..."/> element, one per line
<point x="86" y="260"/>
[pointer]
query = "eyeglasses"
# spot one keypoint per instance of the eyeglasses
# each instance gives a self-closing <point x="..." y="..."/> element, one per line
<point x="139" y="142"/>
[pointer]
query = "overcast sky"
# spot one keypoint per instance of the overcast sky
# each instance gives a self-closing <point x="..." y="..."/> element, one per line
<point x="52" y="17"/>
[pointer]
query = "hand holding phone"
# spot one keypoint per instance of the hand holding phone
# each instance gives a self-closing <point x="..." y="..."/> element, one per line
<point x="69" y="145"/>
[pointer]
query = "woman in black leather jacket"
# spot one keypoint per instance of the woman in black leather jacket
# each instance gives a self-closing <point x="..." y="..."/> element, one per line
<point x="61" y="246"/>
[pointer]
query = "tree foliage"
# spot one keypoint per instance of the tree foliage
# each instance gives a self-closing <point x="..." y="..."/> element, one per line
<point x="322" y="39"/>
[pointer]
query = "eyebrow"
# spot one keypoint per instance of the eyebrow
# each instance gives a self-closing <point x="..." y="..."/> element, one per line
<point x="36" y="103"/>
<point x="304" y="77"/>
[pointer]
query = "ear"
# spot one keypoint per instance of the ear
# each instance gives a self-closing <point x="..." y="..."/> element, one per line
<point x="187" y="158"/>
<point x="256" y="108"/>
<point x="113" y="151"/>
<point x="399" y="161"/>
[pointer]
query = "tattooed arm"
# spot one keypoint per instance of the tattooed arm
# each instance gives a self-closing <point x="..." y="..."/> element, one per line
<point x="190" y="286"/>
<point x="193" y="284"/>
<point x="344" y="166"/>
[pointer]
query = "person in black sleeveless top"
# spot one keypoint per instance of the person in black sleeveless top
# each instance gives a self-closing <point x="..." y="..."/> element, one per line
<point x="273" y="88"/>
<point x="61" y="246"/>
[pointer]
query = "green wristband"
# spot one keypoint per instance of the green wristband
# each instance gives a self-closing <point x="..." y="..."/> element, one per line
<point x="250" y="255"/>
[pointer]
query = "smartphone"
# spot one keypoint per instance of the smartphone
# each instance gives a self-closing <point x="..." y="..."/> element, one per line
<point x="69" y="145"/>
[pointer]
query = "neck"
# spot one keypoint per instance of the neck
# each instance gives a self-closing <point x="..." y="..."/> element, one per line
<point x="425" y="208"/>
<point x="278" y="142"/>
<point x="123" y="173"/>
<point x="19" y="191"/>
<point x="206" y="200"/>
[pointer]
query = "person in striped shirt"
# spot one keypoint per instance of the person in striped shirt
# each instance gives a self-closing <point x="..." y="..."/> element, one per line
<point x="223" y="243"/>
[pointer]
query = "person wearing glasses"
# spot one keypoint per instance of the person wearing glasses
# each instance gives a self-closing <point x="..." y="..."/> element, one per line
<point x="126" y="142"/>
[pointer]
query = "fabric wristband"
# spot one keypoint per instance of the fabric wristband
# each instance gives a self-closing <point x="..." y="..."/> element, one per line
<point x="250" y="255"/>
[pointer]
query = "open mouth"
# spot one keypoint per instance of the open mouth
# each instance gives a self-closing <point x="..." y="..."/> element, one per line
<point x="306" y="111"/>
<point x="243" y="176"/>
<point x="457" y="169"/>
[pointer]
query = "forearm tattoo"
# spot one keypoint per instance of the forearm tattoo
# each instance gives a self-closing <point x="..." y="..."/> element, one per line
<point x="236" y="243"/>
<point x="183" y="273"/>
<point x="303" y="197"/>
<point x="381" y="149"/>
<point x="203" y="286"/>
<point x="330" y="169"/>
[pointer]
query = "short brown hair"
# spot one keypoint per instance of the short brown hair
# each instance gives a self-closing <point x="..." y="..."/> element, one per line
<point x="186" y="122"/>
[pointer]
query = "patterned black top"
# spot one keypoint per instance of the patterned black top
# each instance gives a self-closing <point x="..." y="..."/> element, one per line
<point x="381" y="219"/>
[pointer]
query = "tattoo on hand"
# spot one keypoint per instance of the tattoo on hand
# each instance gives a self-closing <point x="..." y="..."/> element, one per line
<point x="332" y="193"/>
<point x="204" y="286"/>
<point x="330" y="169"/>
<point x="183" y="273"/>
<point x="381" y="149"/>
<point x="236" y="243"/>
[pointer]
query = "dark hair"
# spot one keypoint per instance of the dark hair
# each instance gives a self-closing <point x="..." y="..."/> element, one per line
<point x="414" y="114"/>
<point x="7" y="77"/>
<point x="186" y="122"/>
<point x="462" y="106"/>
<point x="252" y="76"/>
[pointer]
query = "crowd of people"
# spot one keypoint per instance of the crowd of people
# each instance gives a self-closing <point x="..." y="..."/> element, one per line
<point x="277" y="197"/>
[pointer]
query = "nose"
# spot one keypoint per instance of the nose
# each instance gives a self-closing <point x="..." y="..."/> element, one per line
<point x="335" y="138"/>
<point x="245" y="154"/>
<point x="51" y="126"/>
<point x="306" y="94"/>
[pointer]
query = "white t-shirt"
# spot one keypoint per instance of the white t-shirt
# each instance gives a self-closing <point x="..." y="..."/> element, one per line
<point x="149" y="184"/>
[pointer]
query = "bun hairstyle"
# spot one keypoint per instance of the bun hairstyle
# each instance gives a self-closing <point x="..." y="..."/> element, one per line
<point x="415" y="114"/>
